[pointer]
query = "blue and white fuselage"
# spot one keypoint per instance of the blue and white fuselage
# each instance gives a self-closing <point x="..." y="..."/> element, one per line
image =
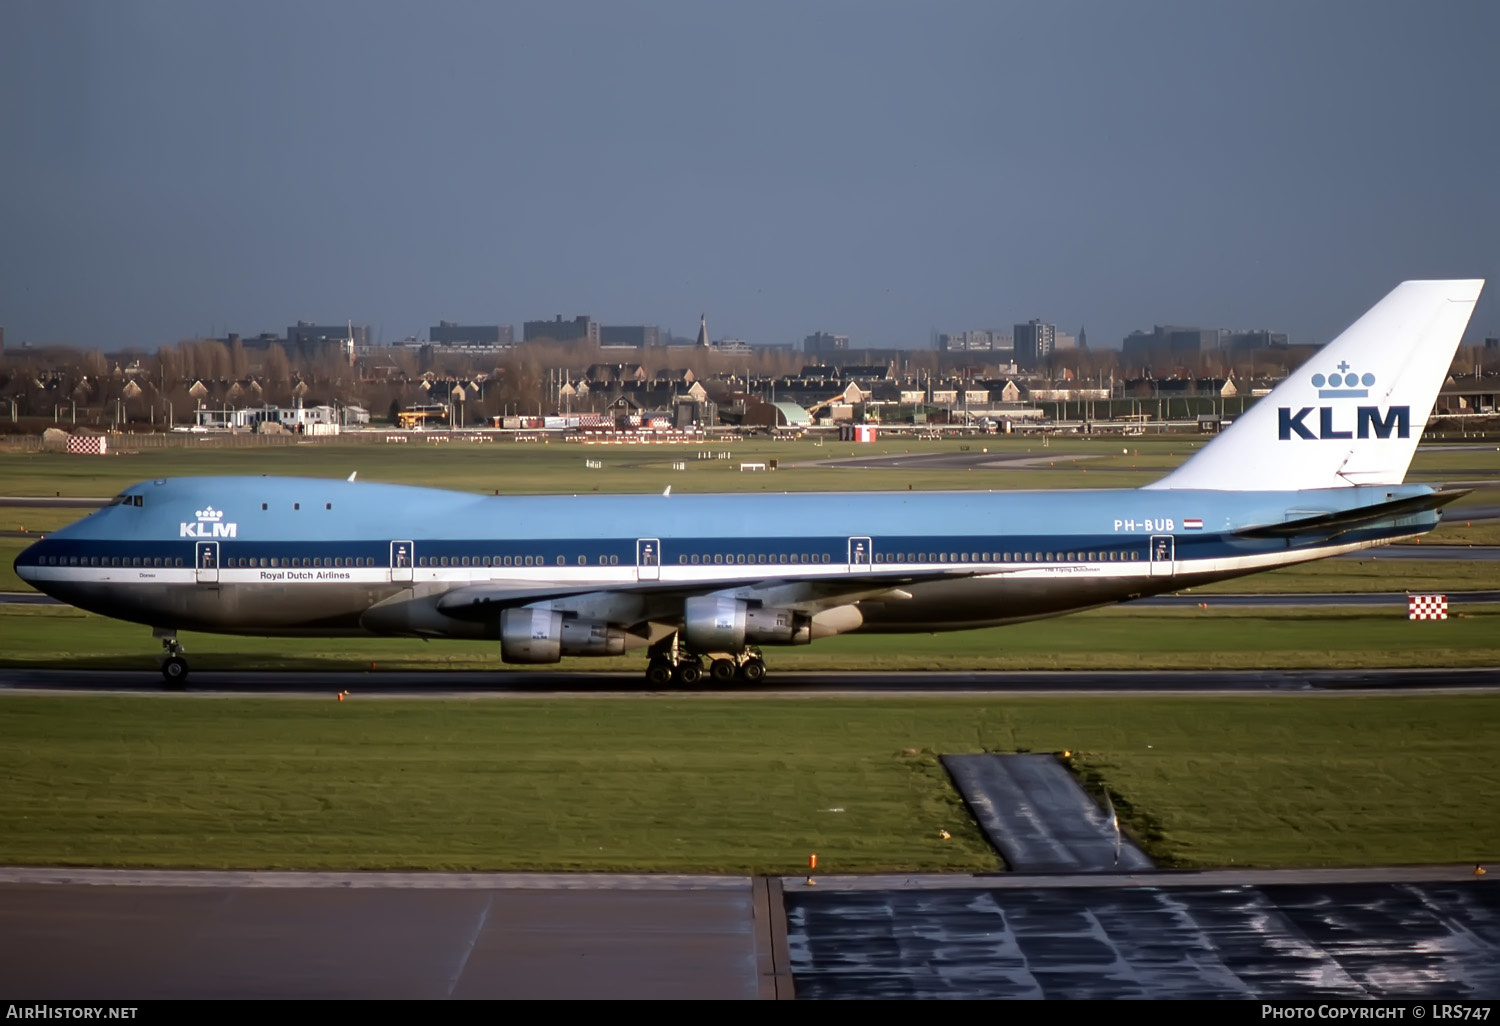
<point x="718" y="575"/>
<point x="269" y="555"/>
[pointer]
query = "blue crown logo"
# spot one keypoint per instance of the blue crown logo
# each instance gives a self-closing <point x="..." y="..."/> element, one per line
<point x="1344" y="385"/>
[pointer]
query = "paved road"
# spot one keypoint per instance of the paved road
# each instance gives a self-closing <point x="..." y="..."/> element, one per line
<point x="1189" y="598"/>
<point x="1373" y="598"/>
<point x="56" y="502"/>
<point x="528" y="684"/>
<point x="142" y="935"/>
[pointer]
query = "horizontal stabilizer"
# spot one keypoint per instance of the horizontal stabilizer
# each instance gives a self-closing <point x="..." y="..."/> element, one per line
<point x="1349" y="519"/>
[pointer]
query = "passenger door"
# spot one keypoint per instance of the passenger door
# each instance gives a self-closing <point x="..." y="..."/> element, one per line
<point x="1163" y="555"/>
<point x="206" y="559"/>
<point x="403" y="557"/>
<point x="861" y="554"/>
<point x="648" y="559"/>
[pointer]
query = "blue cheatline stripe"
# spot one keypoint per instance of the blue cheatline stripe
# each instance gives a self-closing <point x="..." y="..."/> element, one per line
<point x="884" y="551"/>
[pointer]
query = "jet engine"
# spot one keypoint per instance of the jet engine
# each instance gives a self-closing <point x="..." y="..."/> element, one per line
<point x="545" y="636"/>
<point x="715" y="624"/>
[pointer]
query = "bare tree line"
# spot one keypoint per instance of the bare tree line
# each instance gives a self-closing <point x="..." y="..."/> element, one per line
<point x="168" y="385"/>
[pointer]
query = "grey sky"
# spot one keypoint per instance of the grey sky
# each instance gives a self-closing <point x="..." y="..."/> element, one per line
<point x="875" y="169"/>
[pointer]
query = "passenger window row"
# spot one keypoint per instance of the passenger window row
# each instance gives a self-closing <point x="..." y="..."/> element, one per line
<point x="1110" y="556"/>
<point x="502" y="561"/>
<point x="299" y="561"/>
<point x="721" y="558"/>
<point x="117" y="561"/>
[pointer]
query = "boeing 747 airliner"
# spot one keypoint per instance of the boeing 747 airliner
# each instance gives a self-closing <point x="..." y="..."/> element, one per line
<point x="1314" y="469"/>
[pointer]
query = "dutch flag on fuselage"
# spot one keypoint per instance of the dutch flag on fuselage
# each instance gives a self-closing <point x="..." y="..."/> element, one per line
<point x="1192" y="524"/>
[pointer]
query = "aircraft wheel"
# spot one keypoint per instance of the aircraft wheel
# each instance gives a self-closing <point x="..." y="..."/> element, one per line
<point x="174" y="671"/>
<point x="659" y="673"/>
<point x="753" y="671"/>
<point x="722" y="671"/>
<point x="688" y="673"/>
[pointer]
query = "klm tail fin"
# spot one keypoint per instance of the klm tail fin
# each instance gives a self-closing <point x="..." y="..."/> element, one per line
<point x="1353" y="414"/>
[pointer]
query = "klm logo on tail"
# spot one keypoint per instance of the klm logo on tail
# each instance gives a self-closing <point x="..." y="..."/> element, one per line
<point x="1369" y="421"/>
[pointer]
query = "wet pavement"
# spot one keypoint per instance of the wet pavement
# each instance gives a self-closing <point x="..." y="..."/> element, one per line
<point x="1374" y="940"/>
<point x="1039" y="818"/>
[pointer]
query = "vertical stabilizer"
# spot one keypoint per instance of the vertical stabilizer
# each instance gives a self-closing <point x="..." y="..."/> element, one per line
<point x="1351" y="415"/>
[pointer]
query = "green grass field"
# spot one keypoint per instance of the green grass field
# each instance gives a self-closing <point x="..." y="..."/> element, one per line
<point x="559" y="467"/>
<point x="727" y="785"/>
<point x="717" y="783"/>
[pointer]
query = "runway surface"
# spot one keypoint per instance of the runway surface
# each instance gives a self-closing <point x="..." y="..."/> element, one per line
<point x="1040" y="457"/>
<point x="515" y="685"/>
<point x="1186" y="598"/>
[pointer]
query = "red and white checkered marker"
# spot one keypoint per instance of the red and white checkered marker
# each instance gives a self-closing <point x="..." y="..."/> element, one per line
<point x="88" y="445"/>
<point x="1427" y="607"/>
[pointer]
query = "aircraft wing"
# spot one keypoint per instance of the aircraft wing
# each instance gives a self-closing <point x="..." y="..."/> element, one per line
<point x="648" y="599"/>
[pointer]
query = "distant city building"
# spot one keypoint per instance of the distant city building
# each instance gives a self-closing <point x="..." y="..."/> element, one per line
<point x="309" y="340"/>
<point x="265" y="340"/>
<point x="977" y="342"/>
<point x="579" y="329"/>
<point x="702" y="331"/>
<point x="448" y="333"/>
<point x="1248" y="341"/>
<point x="822" y="342"/>
<point x="1170" y="342"/>
<point x="1034" y="342"/>
<point x="633" y="336"/>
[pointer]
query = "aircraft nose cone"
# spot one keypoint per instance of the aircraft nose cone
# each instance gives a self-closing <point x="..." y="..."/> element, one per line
<point x="26" y="565"/>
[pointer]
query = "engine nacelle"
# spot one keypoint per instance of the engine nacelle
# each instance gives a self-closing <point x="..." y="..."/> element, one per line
<point x="545" y="636"/>
<point x="715" y="624"/>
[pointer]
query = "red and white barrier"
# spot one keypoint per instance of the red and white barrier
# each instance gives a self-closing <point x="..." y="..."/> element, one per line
<point x="88" y="445"/>
<point x="1427" y="607"/>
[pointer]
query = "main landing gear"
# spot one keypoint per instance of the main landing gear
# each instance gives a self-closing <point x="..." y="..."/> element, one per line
<point x="673" y="664"/>
<point x="174" y="667"/>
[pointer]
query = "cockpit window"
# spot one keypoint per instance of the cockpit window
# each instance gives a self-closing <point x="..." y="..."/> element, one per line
<point x="127" y="500"/>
